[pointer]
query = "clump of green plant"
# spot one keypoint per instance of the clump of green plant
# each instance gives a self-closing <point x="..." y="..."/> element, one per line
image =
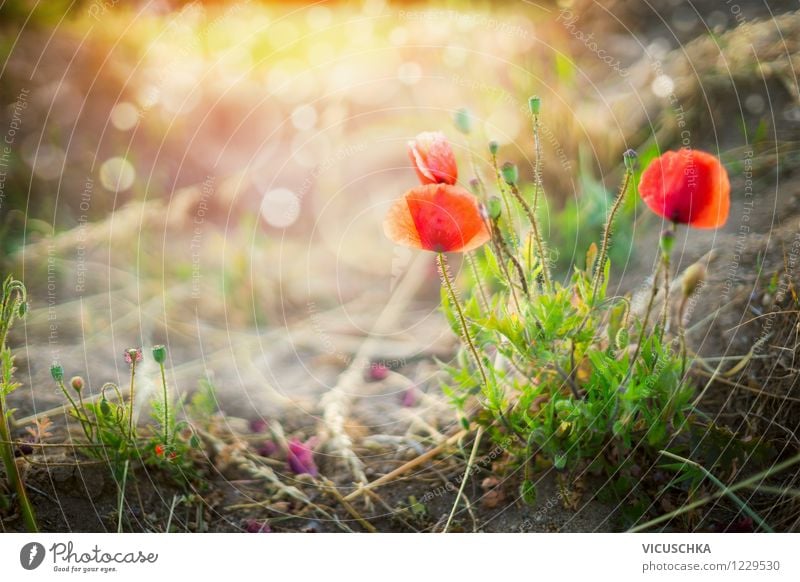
<point x="560" y="369"/>
<point x="13" y="304"/>
<point x="110" y="427"/>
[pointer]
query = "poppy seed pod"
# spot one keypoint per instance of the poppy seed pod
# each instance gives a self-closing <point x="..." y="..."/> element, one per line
<point x="510" y="173"/>
<point x="494" y="147"/>
<point x="494" y="207"/>
<point x="535" y="104"/>
<point x="57" y="372"/>
<point x="160" y="354"/>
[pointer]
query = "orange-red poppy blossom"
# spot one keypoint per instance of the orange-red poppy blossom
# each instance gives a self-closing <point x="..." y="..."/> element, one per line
<point x="688" y="187"/>
<point x="437" y="217"/>
<point x="433" y="158"/>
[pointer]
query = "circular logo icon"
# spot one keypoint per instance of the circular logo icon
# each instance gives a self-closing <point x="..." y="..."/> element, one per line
<point x="31" y="555"/>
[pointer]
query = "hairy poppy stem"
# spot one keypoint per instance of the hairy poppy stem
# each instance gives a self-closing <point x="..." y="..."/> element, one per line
<point x="665" y="308"/>
<point x="13" y="305"/>
<point x="78" y="410"/>
<point x="500" y="187"/>
<point x="502" y="248"/>
<point x="538" y="185"/>
<point x="537" y="236"/>
<point x="166" y="404"/>
<point x="682" y="334"/>
<point x="445" y="273"/>
<point x="132" y="395"/>
<point x="600" y="265"/>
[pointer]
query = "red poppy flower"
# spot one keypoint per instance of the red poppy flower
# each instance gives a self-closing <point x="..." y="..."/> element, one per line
<point x="689" y="186"/>
<point x="433" y="158"/>
<point x="437" y="217"/>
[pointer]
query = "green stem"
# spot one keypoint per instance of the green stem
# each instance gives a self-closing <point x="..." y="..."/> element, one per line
<point x="444" y="271"/>
<point x="132" y="394"/>
<point x="470" y="464"/>
<point x="748" y="482"/>
<point x="537" y="183"/>
<point x="90" y="433"/>
<point x="537" y="236"/>
<point x="166" y="405"/>
<point x="725" y="490"/>
<point x="478" y="283"/>
<point x="600" y="265"/>
<point x="12" y="472"/>
<point x="78" y="410"/>
<point x="503" y="194"/>
<point x="665" y="309"/>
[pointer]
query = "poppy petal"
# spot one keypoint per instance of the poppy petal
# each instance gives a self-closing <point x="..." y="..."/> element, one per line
<point x="433" y="158"/>
<point x="399" y="226"/>
<point x="446" y="219"/>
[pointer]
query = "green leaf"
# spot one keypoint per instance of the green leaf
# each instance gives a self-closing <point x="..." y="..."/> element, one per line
<point x="527" y="491"/>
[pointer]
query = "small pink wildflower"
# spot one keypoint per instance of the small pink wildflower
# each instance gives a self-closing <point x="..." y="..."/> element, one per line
<point x="300" y="457"/>
<point x="377" y="372"/>
<point x="256" y="526"/>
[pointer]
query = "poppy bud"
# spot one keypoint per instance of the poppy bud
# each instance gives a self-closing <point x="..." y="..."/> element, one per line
<point x="23" y="309"/>
<point x="475" y="186"/>
<point x="494" y="207"/>
<point x="667" y="242"/>
<point x="510" y="173"/>
<point x="623" y="338"/>
<point x="535" y="104"/>
<point x="433" y="158"/>
<point x="693" y="277"/>
<point x="77" y="383"/>
<point x="494" y="147"/>
<point x="57" y="372"/>
<point x="160" y="354"/>
<point x="630" y="159"/>
<point x="463" y="120"/>
<point x="105" y="407"/>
